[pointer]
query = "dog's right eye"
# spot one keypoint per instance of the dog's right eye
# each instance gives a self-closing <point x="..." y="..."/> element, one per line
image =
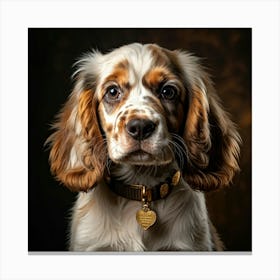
<point x="113" y="94"/>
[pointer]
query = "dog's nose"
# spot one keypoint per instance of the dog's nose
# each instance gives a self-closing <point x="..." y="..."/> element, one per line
<point x="140" y="129"/>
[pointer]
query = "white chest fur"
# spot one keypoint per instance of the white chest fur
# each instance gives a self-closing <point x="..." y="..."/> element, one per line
<point x="103" y="221"/>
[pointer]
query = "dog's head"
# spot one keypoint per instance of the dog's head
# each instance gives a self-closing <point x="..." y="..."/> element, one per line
<point x="143" y="105"/>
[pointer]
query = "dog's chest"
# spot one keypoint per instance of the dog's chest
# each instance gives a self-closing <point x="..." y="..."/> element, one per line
<point x="105" y="221"/>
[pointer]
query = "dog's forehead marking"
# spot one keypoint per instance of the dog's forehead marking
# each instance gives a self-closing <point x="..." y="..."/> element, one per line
<point x="136" y="59"/>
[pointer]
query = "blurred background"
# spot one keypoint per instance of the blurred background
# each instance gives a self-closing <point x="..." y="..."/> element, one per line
<point x="226" y="52"/>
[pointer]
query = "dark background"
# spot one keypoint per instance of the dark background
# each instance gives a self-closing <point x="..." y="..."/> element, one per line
<point x="51" y="54"/>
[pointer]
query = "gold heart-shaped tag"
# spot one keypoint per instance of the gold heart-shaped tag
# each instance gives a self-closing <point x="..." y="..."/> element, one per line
<point x="146" y="218"/>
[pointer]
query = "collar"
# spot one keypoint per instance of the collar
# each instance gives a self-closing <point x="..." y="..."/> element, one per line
<point x="140" y="192"/>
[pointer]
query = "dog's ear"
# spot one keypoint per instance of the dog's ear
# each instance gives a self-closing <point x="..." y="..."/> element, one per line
<point x="78" y="153"/>
<point x="212" y="140"/>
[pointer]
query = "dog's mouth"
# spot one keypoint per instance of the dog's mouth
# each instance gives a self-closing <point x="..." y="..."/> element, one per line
<point x="139" y="156"/>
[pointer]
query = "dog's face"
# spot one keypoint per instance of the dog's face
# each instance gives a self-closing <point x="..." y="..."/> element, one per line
<point x="143" y="105"/>
<point x="141" y="101"/>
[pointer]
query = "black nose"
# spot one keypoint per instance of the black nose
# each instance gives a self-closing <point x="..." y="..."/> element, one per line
<point x="140" y="129"/>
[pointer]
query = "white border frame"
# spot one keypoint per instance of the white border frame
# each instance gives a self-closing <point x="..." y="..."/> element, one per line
<point x="17" y="16"/>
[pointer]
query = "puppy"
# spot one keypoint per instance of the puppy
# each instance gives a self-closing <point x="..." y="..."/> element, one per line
<point x="142" y="136"/>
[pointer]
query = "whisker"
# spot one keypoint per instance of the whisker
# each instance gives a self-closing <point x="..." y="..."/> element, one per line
<point x="180" y="149"/>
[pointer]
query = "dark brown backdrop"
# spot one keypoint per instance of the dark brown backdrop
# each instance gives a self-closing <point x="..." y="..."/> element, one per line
<point x="51" y="54"/>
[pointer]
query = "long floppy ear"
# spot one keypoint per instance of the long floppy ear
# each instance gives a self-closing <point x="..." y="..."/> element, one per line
<point x="211" y="137"/>
<point x="78" y="155"/>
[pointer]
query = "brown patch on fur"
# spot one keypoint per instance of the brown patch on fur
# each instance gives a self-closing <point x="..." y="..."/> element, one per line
<point x="119" y="75"/>
<point x="135" y="112"/>
<point x="87" y="114"/>
<point x="109" y="128"/>
<point x="212" y="141"/>
<point x="155" y="77"/>
<point x="122" y="122"/>
<point x="84" y="176"/>
<point x="197" y="134"/>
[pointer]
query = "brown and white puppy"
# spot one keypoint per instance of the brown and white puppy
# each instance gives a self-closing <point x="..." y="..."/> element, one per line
<point x="135" y="115"/>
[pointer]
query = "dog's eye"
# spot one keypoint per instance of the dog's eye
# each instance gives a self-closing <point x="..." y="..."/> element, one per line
<point x="168" y="92"/>
<point x="113" y="94"/>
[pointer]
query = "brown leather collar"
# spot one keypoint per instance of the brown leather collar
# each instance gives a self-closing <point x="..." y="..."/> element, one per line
<point x="135" y="192"/>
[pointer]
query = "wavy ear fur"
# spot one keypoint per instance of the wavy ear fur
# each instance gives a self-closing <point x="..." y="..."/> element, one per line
<point x="78" y="155"/>
<point x="212" y="139"/>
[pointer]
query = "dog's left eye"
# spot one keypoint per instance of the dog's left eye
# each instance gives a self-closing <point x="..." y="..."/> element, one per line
<point x="168" y="92"/>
